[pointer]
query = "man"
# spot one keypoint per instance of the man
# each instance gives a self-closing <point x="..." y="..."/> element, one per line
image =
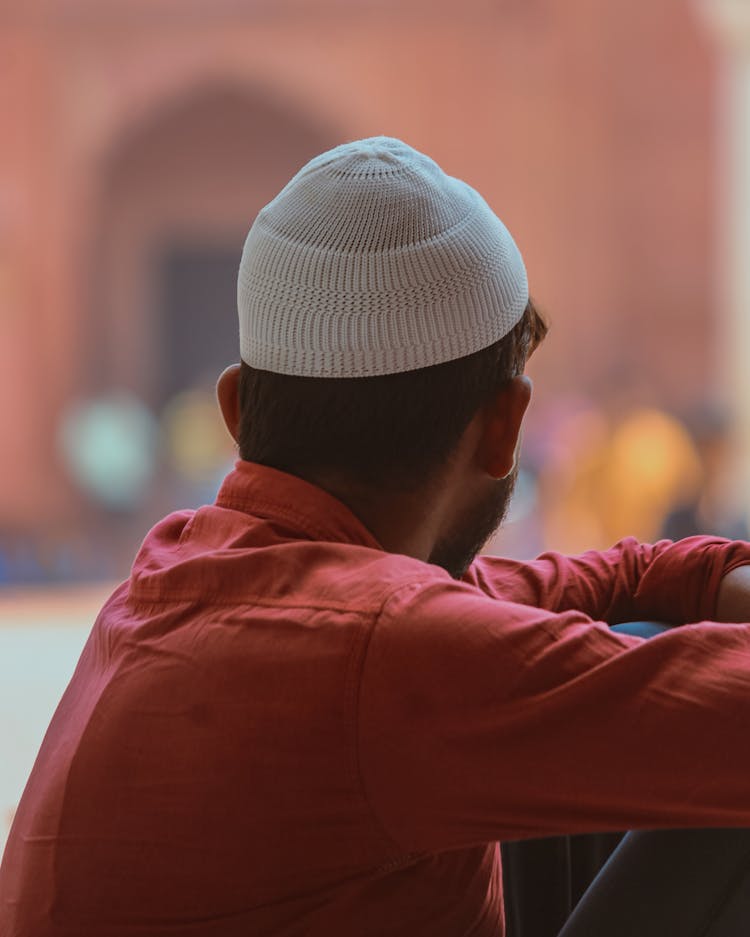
<point x="312" y="709"/>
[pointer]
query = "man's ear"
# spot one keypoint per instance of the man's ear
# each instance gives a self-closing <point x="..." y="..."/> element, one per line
<point x="227" y="393"/>
<point x="502" y="427"/>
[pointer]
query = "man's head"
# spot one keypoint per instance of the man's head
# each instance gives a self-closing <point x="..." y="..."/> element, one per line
<point x="385" y="324"/>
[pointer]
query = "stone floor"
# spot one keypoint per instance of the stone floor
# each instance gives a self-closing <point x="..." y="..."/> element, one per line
<point x="42" y="633"/>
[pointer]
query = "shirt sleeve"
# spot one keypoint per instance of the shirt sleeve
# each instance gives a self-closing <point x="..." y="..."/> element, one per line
<point x="482" y="720"/>
<point x="665" y="581"/>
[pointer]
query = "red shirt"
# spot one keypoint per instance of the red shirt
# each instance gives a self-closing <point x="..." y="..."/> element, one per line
<point x="277" y="728"/>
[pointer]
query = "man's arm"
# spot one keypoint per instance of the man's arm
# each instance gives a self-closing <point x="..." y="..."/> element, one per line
<point x="733" y="600"/>
<point x="673" y="582"/>
<point x="481" y="720"/>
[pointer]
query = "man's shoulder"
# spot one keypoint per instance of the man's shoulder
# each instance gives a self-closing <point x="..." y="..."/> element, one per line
<point x="219" y="557"/>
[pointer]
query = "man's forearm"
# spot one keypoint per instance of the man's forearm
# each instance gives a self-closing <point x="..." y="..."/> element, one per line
<point x="733" y="599"/>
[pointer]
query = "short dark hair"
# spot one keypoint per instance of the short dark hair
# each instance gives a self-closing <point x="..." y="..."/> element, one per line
<point x="393" y="431"/>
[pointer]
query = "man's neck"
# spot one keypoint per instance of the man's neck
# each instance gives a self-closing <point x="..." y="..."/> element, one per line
<point x="404" y="522"/>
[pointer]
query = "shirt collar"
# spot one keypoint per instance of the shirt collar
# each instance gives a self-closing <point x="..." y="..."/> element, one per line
<point x="268" y="492"/>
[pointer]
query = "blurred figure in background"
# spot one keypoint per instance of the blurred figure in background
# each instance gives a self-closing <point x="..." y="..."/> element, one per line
<point x="611" y="475"/>
<point x="710" y="504"/>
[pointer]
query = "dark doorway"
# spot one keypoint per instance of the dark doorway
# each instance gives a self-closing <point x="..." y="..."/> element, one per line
<point x="196" y="321"/>
<point x="178" y="192"/>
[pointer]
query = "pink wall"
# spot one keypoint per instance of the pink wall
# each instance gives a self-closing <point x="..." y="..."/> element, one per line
<point x="587" y="126"/>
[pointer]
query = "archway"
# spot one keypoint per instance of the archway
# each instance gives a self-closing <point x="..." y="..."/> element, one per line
<point x="176" y="197"/>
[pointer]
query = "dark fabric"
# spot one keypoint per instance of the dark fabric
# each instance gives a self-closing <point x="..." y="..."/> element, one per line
<point x="684" y="883"/>
<point x="681" y="883"/>
<point x="560" y="867"/>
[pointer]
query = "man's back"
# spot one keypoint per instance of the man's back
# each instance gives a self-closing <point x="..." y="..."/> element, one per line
<point x="277" y="727"/>
<point x="201" y="773"/>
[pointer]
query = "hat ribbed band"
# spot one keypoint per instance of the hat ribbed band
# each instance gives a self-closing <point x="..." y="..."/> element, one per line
<point x="372" y="261"/>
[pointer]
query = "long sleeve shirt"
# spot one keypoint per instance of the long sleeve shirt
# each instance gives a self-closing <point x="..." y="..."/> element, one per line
<point x="276" y="727"/>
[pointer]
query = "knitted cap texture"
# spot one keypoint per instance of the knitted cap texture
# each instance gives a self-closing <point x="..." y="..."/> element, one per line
<point x="372" y="260"/>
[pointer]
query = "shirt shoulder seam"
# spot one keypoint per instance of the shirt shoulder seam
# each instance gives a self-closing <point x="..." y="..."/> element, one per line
<point x="381" y="826"/>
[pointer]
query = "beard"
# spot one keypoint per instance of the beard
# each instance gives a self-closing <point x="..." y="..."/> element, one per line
<point x="455" y="551"/>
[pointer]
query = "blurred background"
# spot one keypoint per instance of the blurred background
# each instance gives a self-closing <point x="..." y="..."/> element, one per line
<point x="141" y="137"/>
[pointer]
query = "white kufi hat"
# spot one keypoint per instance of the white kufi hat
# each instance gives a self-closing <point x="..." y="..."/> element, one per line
<point x="372" y="260"/>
